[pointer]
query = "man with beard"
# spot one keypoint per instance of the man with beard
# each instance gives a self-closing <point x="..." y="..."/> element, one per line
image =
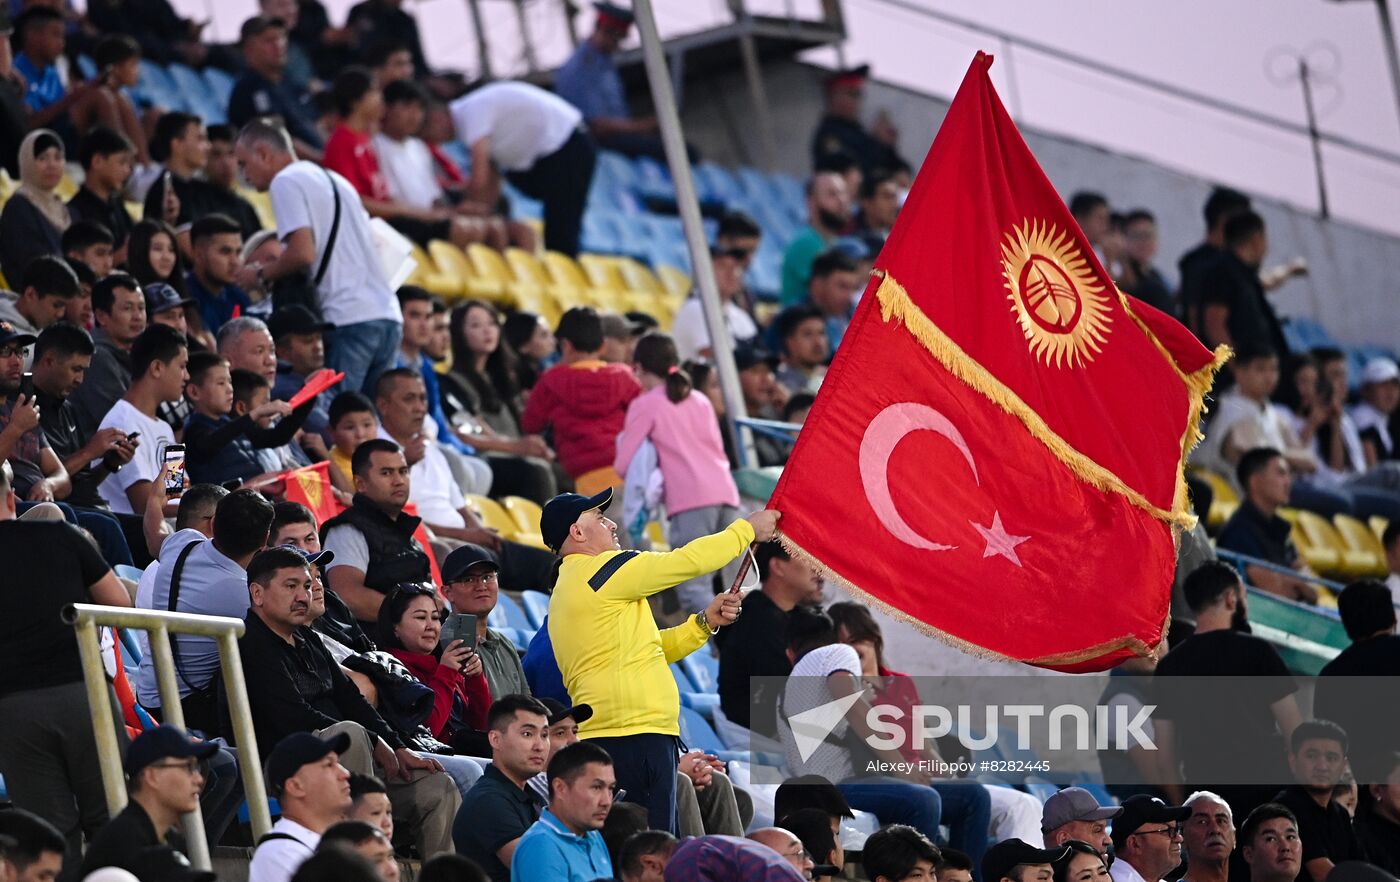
<point x="828" y="213"/>
<point x="1210" y="838"/>
<point x="1217" y="730"/>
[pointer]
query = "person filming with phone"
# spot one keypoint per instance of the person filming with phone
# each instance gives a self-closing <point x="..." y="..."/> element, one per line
<point x="612" y="656"/>
<point x="471" y="584"/>
<point x="434" y="649"/>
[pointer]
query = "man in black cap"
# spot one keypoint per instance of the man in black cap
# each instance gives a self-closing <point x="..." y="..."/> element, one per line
<point x="607" y="644"/>
<point x="1019" y="861"/>
<point x="304" y="775"/>
<point x="589" y="81"/>
<point x="471" y="583"/>
<point x="301" y="351"/>
<point x="31" y="846"/>
<point x="1147" y="839"/>
<point x="164" y="781"/>
<point x="841" y="131"/>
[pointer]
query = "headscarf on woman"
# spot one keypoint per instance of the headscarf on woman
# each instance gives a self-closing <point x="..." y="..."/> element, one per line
<point x="49" y="203"/>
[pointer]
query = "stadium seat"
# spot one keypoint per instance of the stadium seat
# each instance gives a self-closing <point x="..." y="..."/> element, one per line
<point x="1321" y="533"/>
<point x="702" y="668"/>
<point x="1224" y="499"/>
<point x="1358" y="537"/>
<point x="487" y="264"/>
<point x="427" y="276"/>
<point x="493" y="515"/>
<point x="220" y="84"/>
<point x="571" y="286"/>
<point x="676" y="282"/>
<point x="1378" y="526"/>
<point x="514" y="614"/>
<point x="125" y="571"/>
<point x="703" y="703"/>
<point x="197" y="94"/>
<point x="452" y="263"/>
<point x="262" y="204"/>
<point x="536" y="605"/>
<point x="1039" y="788"/>
<point x="697" y="732"/>
<point x="533" y="291"/>
<point x="1319" y="558"/>
<point x="525" y="512"/>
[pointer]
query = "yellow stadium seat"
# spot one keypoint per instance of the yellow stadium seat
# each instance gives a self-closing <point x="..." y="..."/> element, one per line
<point x="495" y="516"/>
<point x="1379" y="525"/>
<point x="1322" y="534"/>
<point x="602" y="271"/>
<point x="454" y="264"/>
<point x="675" y="281"/>
<point x="4" y="284"/>
<point x="636" y="277"/>
<point x="1319" y="558"/>
<point x="525" y="512"/>
<point x="427" y="276"/>
<point x="1359" y="538"/>
<point x="1224" y="499"/>
<point x="67" y="188"/>
<point x="657" y="537"/>
<point x="535" y="291"/>
<point x="262" y="204"/>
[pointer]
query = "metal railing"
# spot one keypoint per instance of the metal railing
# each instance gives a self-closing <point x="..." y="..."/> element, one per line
<point x="159" y="625"/>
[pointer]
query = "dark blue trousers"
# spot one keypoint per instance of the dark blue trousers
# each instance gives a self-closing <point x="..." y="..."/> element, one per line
<point x="645" y="766"/>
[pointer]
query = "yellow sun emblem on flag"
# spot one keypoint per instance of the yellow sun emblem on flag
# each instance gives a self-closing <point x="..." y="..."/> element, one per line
<point x="1054" y="294"/>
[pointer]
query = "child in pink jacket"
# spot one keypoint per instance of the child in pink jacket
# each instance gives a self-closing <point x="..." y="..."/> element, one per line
<point x="700" y="495"/>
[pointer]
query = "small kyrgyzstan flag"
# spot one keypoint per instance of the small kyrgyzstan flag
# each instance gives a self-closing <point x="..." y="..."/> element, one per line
<point x="996" y="454"/>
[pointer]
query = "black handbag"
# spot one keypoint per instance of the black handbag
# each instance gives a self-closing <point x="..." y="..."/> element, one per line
<point x="301" y="289"/>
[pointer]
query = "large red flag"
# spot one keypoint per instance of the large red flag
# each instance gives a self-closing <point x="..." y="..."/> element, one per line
<point x="996" y="454"/>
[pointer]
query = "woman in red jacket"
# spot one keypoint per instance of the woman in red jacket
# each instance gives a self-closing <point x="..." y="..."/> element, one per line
<point x="409" y="628"/>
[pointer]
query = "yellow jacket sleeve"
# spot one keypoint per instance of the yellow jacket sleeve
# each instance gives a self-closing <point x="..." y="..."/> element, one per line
<point x="652" y="572"/>
<point x="683" y="639"/>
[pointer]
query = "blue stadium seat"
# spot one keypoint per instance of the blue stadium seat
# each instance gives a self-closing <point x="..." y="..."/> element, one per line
<point x="1040" y="788"/>
<point x="87" y="67"/>
<point x="653" y="182"/>
<point x="124" y="571"/>
<point x="515" y="616"/>
<point x="131" y="648"/>
<point x="536" y="607"/>
<point x="682" y="679"/>
<point x="458" y="153"/>
<point x="697" y="733"/>
<point x="157" y="85"/>
<point x="715" y="183"/>
<point x="220" y="83"/>
<point x="197" y="94"/>
<point x="522" y="207"/>
<point x="703" y="669"/>
<point x="703" y="703"/>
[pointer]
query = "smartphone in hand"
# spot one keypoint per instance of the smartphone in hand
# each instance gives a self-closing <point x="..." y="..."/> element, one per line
<point x="173" y="472"/>
<point x="459" y="626"/>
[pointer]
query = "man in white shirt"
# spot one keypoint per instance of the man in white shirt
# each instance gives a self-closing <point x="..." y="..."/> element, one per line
<point x="1246" y="419"/>
<point x="1380" y="392"/>
<point x="351" y="288"/>
<point x="691" y="334"/>
<point x="538" y="141"/>
<point x="158" y="375"/>
<point x="305" y="776"/>
<point x="1147" y="839"/>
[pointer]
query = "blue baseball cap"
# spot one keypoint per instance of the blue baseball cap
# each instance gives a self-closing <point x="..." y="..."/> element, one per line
<point x="160" y="297"/>
<point x="563" y="511"/>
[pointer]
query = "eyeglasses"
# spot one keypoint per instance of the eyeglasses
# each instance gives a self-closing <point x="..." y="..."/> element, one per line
<point x="189" y="765"/>
<point x="12" y="351"/>
<point x="1171" y="831"/>
<point x="483" y="579"/>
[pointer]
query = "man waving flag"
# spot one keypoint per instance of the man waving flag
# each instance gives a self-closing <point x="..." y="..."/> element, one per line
<point x="1002" y="433"/>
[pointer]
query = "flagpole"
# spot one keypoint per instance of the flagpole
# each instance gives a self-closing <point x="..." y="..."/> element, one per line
<point x="722" y="345"/>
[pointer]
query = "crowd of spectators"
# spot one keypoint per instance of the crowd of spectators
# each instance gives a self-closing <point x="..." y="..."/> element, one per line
<point x="393" y="718"/>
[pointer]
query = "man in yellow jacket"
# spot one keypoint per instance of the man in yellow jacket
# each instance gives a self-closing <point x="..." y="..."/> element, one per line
<point x="612" y="656"/>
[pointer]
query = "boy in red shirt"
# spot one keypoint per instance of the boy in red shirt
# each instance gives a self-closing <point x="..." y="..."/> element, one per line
<point x="584" y="399"/>
<point x="350" y="152"/>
